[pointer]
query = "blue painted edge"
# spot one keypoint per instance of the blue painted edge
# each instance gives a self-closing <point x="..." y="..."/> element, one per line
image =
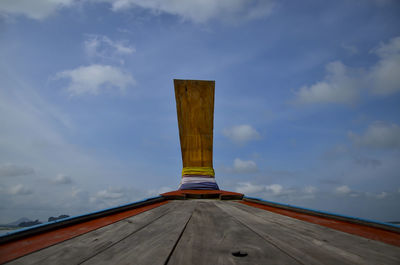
<point x="323" y="212"/>
<point x="76" y="216"/>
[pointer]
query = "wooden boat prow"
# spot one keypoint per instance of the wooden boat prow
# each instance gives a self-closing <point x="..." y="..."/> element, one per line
<point x="203" y="226"/>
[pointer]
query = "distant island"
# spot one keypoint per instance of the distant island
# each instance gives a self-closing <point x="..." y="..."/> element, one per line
<point x="51" y="219"/>
<point x="29" y="223"/>
<point x="26" y="222"/>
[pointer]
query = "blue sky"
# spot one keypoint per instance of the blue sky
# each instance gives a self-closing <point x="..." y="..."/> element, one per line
<point x="306" y="108"/>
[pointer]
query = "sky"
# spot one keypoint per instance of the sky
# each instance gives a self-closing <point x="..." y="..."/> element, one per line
<point x="307" y="102"/>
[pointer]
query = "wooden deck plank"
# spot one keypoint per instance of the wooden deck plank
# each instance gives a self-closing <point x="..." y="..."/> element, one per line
<point x="212" y="235"/>
<point x="388" y="234"/>
<point x="33" y="239"/>
<point x="81" y="248"/>
<point x="150" y="245"/>
<point x="207" y="232"/>
<point x="372" y="251"/>
<point x="305" y="245"/>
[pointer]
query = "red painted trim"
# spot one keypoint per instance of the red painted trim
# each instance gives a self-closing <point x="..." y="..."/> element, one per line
<point x="200" y="192"/>
<point x="373" y="233"/>
<point x="21" y="247"/>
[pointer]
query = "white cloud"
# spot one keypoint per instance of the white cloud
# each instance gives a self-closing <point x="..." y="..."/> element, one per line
<point x="62" y="179"/>
<point x="156" y="192"/>
<point x="105" y="48"/>
<point x="343" y="189"/>
<point x="249" y="188"/>
<point x="275" y="189"/>
<point x="382" y="195"/>
<point x="262" y="190"/>
<point x="201" y="10"/>
<point x="310" y="189"/>
<point x="350" y="48"/>
<point x="113" y="196"/>
<point x="277" y="192"/>
<point x="241" y="134"/>
<point x="109" y="197"/>
<point x="12" y="170"/>
<point x="241" y="166"/>
<point x="198" y="11"/>
<point x="37" y="9"/>
<point x="385" y="75"/>
<point x="77" y="192"/>
<point x="95" y="78"/>
<point x="20" y="189"/>
<point x="379" y="135"/>
<point x="33" y="137"/>
<point x="109" y="194"/>
<point x="343" y="84"/>
<point x="307" y="193"/>
<point x="337" y="87"/>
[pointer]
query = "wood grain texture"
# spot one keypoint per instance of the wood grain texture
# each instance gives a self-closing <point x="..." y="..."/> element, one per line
<point x="81" y="248"/>
<point x="307" y="242"/>
<point x="111" y="213"/>
<point x="207" y="232"/>
<point x="150" y="245"/>
<point x="372" y="251"/>
<point x="212" y="235"/>
<point x="195" y="109"/>
<point x="293" y="211"/>
<point x="44" y="238"/>
<point x="367" y="229"/>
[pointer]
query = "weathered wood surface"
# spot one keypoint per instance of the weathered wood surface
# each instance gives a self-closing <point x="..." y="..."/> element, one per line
<point x="212" y="235"/>
<point x="151" y="245"/>
<point x="207" y="232"/>
<point x="378" y="252"/>
<point x="195" y="109"/>
<point x="59" y="224"/>
<point x="310" y="243"/>
<point x="81" y="248"/>
<point x="293" y="209"/>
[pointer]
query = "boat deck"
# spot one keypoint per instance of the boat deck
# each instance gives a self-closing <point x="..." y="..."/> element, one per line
<point x="212" y="231"/>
